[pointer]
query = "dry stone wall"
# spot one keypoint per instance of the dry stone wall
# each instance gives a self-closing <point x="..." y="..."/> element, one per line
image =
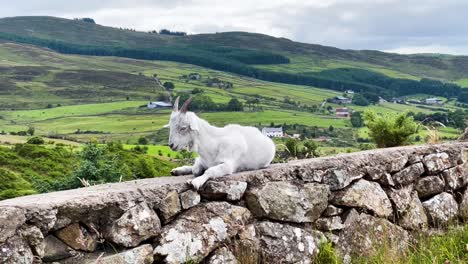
<point x="281" y="214"/>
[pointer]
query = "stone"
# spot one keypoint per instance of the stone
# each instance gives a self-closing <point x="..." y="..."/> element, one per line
<point x="189" y="199"/>
<point x="409" y="174"/>
<point x="398" y="162"/>
<point x="139" y="255"/>
<point x="375" y="173"/>
<point x="10" y="219"/>
<point x="387" y="180"/>
<point x="225" y="190"/>
<point x="436" y="162"/>
<point x="222" y="255"/>
<point x="55" y="249"/>
<point x="198" y="231"/>
<point x="364" y="194"/>
<point x="332" y="211"/>
<point x="169" y="207"/>
<point x="45" y="220"/>
<point x="283" y="243"/>
<point x="430" y="185"/>
<point x="338" y="179"/>
<point x="401" y="198"/>
<point x="33" y="236"/>
<point x="456" y="177"/>
<point x="15" y="251"/>
<point x="139" y="223"/>
<point x="363" y="235"/>
<point x="464" y="205"/>
<point x="441" y="209"/>
<point x="77" y="237"/>
<point x="329" y="223"/>
<point x="285" y="201"/>
<point x="414" y="218"/>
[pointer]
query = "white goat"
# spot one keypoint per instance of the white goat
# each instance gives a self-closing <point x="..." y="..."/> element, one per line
<point x="221" y="151"/>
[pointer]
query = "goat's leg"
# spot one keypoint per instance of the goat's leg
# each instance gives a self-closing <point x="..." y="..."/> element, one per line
<point x="211" y="173"/>
<point x="197" y="169"/>
<point x="184" y="170"/>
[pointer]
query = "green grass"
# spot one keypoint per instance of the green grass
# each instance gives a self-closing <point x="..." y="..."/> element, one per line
<point x="447" y="247"/>
<point x="154" y="150"/>
<point x="69" y="111"/>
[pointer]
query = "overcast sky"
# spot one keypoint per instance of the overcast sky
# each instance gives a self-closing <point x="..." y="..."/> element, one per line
<point x="411" y="26"/>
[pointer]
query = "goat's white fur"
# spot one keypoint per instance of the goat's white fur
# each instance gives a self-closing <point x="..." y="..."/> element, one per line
<point x="221" y="151"/>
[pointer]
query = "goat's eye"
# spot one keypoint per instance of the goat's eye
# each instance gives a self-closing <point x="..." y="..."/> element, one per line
<point x="183" y="128"/>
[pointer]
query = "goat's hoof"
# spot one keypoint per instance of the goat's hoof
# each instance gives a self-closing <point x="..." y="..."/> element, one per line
<point x="197" y="183"/>
<point x="176" y="172"/>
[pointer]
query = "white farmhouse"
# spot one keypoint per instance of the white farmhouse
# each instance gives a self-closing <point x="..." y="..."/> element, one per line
<point x="159" y="104"/>
<point x="434" y="101"/>
<point x="272" y="131"/>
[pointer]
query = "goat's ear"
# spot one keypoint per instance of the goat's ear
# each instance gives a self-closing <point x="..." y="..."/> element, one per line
<point x="194" y="123"/>
<point x="166" y="126"/>
<point x="175" y="107"/>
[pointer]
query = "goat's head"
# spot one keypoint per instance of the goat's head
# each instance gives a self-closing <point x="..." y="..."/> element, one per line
<point x="182" y="126"/>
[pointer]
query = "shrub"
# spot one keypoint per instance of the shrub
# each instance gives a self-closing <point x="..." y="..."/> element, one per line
<point x="356" y="119"/>
<point x="390" y="130"/>
<point x="143" y="141"/>
<point x="36" y="141"/>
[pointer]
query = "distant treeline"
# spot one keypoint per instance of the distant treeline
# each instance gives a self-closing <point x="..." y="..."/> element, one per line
<point x="237" y="61"/>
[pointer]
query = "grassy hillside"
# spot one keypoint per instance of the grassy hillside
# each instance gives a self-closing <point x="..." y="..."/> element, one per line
<point x="279" y="59"/>
<point x="71" y="31"/>
<point x="102" y="96"/>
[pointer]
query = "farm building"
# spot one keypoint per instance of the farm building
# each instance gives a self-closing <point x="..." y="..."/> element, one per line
<point x="342" y="112"/>
<point x="398" y="101"/>
<point x="341" y="100"/>
<point x="159" y="104"/>
<point x="434" y="101"/>
<point x="351" y="92"/>
<point x="272" y="131"/>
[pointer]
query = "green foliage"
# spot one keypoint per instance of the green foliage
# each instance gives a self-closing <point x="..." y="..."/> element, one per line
<point x="169" y="85"/>
<point x="36" y="141"/>
<point x="235" y="105"/>
<point x="449" y="247"/>
<point x="358" y="99"/>
<point x="294" y="149"/>
<point x="27" y="168"/>
<point x="327" y="255"/>
<point x="390" y="130"/>
<point x="13" y="185"/>
<point x="142" y="141"/>
<point x="356" y="119"/>
<point x="31" y="131"/>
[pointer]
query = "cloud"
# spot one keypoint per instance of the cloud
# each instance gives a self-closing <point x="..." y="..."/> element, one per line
<point x="392" y="25"/>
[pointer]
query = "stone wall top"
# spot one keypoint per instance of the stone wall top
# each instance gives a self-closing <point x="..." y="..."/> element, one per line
<point x="353" y="165"/>
<point x="283" y="212"/>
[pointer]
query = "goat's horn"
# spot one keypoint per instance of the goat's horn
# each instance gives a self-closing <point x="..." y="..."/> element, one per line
<point x="176" y="104"/>
<point x="184" y="107"/>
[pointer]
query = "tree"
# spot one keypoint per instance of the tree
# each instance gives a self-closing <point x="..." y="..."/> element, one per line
<point x="356" y="119"/>
<point x="143" y="141"/>
<point x="235" y="105"/>
<point x="292" y="147"/>
<point x="36" y="141"/>
<point x="31" y="131"/>
<point x="169" y="85"/>
<point x="390" y="130"/>
<point x="360" y="100"/>
<point x="310" y="149"/>
<point x="457" y="119"/>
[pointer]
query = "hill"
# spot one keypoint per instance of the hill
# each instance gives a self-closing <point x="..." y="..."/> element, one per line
<point x="253" y="55"/>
